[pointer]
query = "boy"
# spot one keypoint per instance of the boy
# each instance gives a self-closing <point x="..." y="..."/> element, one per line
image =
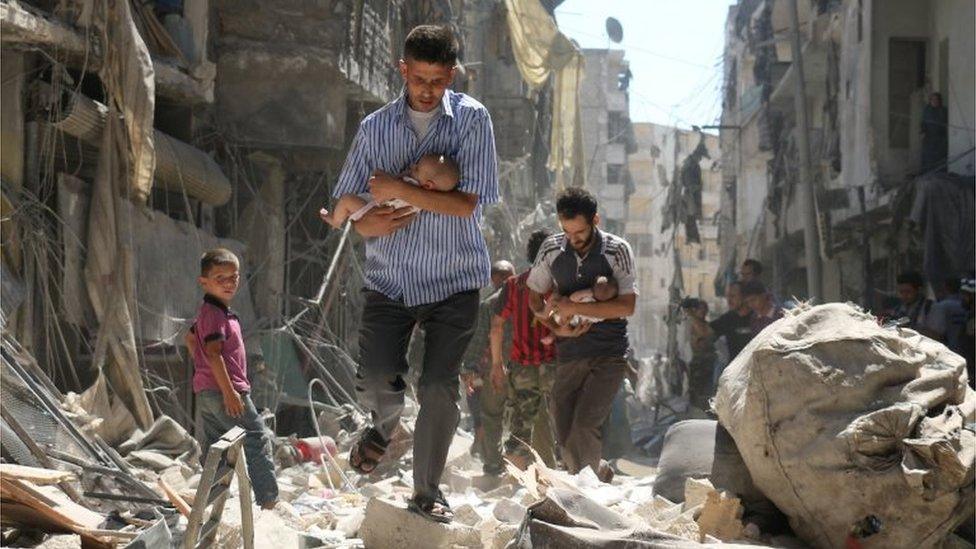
<point x="433" y="172"/>
<point x="220" y="373"/>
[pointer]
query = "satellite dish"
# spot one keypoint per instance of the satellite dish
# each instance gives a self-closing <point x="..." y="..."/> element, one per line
<point x="615" y="30"/>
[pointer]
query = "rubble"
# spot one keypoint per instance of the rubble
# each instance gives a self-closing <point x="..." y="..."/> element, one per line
<point x="721" y="517"/>
<point x="388" y="521"/>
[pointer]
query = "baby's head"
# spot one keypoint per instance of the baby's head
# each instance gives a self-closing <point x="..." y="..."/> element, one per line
<point x="605" y="289"/>
<point x="436" y="172"/>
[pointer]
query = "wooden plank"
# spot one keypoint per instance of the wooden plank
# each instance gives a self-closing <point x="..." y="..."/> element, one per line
<point x="36" y="475"/>
<point x="244" y="494"/>
<point x="52" y="503"/>
<point x="181" y="505"/>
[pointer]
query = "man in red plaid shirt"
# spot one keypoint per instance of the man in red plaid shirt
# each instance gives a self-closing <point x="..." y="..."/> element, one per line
<point x="528" y="375"/>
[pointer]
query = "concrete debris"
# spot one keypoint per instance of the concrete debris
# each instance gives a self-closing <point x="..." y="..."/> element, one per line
<point x="388" y="522"/>
<point x="61" y="541"/>
<point x="509" y="511"/>
<point x="721" y="517"/>
<point x="696" y="492"/>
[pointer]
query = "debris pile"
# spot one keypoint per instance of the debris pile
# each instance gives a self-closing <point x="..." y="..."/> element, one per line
<point x="855" y="431"/>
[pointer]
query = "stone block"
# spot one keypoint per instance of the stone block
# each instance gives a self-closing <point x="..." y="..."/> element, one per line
<point x="696" y="492"/>
<point x="721" y="517"/>
<point x="66" y="541"/>
<point x="487" y="483"/>
<point x="467" y="515"/>
<point x="390" y="524"/>
<point x="509" y="511"/>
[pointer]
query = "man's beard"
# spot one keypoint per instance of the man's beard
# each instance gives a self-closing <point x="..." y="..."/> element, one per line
<point x="585" y="244"/>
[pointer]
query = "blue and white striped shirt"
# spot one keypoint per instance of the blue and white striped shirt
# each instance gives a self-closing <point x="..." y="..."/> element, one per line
<point x="436" y="255"/>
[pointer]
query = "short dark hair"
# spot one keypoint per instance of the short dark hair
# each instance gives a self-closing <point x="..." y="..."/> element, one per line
<point x="576" y="201"/>
<point x="755" y="265"/>
<point x="432" y="44"/>
<point x="535" y="242"/>
<point x="914" y="278"/>
<point x="217" y="256"/>
<point x="753" y="287"/>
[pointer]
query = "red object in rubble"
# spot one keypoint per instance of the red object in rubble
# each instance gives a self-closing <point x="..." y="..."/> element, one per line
<point x="311" y="449"/>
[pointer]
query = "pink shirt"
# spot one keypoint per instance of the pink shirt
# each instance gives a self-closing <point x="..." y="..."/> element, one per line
<point x="215" y="322"/>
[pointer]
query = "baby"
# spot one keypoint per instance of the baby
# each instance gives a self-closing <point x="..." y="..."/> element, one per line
<point x="434" y="172"/>
<point x="604" y="289"/>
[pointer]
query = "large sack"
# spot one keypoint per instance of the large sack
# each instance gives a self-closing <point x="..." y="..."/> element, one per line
<point x="839" y="419"/>
<point x="701" y="448"/>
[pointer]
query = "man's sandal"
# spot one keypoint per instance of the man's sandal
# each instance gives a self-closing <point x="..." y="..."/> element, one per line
<point x="366" y="453"/>
<point x="432" y="508"/>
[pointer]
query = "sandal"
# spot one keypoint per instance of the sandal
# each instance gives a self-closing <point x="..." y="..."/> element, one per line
<point x="366" y="453"/>
<point x="435" y="509"/>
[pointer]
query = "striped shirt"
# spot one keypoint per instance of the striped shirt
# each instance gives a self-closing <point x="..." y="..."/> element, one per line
<point x="559" y="268"/>
<point x="527" y="331"/>
<point x="436" y="255"/>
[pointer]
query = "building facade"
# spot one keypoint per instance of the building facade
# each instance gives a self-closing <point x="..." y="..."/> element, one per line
<point x="870" y="67"/>
<point x="655" y="167"/>
<point x="607" y="133"/>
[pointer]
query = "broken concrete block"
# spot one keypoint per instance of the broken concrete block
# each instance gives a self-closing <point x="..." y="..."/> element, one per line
<point x="696" y="492"/>
<point x="381" y="488"/>
<point x="721" y="517"/>
<point x="502" y="535"/>
<point x="503" y="491"/>
<point x="66" y="541"/>
<point x="509" y="511"/>
<point x="467" y="515"/>
<point x="457" y="481"/>
<point x="390" y="524"/>
<point x="486" y="483"/>
<point x="351" y="523"/>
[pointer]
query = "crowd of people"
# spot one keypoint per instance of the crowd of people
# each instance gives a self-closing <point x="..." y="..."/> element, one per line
<point x="751" y="307"/>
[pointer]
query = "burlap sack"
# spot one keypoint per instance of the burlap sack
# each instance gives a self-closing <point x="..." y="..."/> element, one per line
<point x="839" y="419"/>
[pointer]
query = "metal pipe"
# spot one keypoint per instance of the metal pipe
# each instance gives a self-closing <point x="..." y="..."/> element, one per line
<point x="811" y="237"/>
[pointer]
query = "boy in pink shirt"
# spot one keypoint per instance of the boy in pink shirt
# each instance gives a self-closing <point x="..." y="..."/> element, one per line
<point x="216" y="343"/>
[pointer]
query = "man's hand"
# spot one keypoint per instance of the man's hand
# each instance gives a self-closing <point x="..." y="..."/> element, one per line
<point x="385" y="187"/>
<point x="498" y="376"/>
<point x="233" y="404"/>
<point x="562" y="306"/>
<point x="570" y="331"/>
<point x="384" y="221"/>
<point x="468" y="379"/>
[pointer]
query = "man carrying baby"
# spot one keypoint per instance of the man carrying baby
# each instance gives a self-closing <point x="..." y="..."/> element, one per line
<point x="423" y="268"/>
<point x="590" y="363"/>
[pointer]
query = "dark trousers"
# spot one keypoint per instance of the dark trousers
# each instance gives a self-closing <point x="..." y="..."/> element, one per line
<point x="582" y="396"/>
<point x="383" y="339"/>
<point x="257" y="441"/>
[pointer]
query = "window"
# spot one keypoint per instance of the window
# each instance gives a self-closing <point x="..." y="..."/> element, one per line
<point x="701" y="253"/>
<point x="615" y="173"/>
<point x="906" y="73"/>
<point x="617" y="127"/>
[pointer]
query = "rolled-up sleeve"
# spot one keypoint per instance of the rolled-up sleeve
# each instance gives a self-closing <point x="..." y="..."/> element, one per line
<point x="477" y="161"/>
<point x="540" y="277"/>
<point x="355" y="172"/>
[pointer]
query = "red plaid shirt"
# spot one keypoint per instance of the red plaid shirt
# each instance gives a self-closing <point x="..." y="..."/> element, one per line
<point x="527" y="332"/>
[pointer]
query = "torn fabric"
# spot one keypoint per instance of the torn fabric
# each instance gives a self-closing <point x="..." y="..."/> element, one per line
<point x="542" y="51"/>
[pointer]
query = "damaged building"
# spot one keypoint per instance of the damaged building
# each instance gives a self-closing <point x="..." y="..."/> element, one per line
<point x="870" y="68"/>
<point x="666" y="257"/>
<point x="137" y="135"/>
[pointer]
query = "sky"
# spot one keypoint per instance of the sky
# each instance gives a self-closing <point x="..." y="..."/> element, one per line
<point x="674" y="48"/>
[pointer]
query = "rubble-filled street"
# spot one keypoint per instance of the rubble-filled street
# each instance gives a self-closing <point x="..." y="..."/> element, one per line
<point x="487" y="274"/>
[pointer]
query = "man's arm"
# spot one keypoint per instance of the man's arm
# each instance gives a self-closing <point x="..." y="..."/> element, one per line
<point x="384" y="187"/>
<point x="496" y="338"/>
<point x="233" y="404"/>
<point x="383" y="221"/>
<point x="621" y="306"/>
